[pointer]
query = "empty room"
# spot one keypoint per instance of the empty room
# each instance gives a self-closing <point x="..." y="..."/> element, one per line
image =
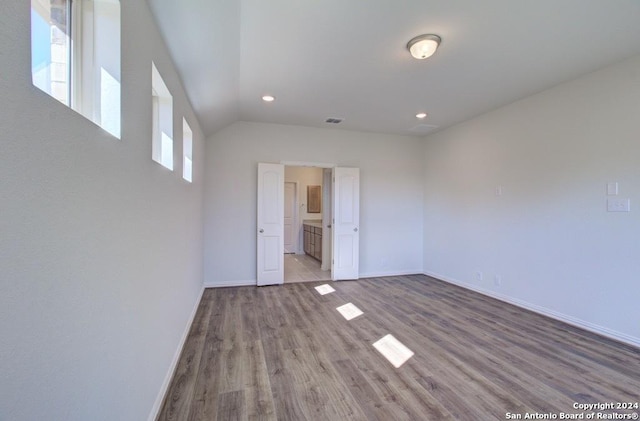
<point x="319" y="210"/>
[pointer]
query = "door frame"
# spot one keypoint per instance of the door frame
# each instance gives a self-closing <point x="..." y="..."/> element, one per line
<point x="326" y="261"/>
<point x="327" y="216"/>
<point x="296" y="214"/>
<point x="317" y="165"/>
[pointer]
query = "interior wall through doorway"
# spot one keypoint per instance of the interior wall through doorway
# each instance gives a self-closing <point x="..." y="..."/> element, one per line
<point x="301" y="267"/>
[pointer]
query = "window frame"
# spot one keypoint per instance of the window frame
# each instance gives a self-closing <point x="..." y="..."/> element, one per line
<point x="93" y="59"/>
<point x="162" y="121"/>
<point x="187" y="151"/>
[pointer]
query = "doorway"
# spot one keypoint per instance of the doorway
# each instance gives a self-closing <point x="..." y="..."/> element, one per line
<point x="341" y="224"/>
<point x="309" y="259"/>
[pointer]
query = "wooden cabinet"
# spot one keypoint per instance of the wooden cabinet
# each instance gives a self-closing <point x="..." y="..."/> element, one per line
<point x="313" y="241"/>
<point x="308" y="240"/>
<point x="317" y="243"/>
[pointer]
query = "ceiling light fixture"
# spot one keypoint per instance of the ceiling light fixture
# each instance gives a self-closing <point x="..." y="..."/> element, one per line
<point x="421" y="115"/>
<point x="423" y="46"/>
<point x="268" y="98"/>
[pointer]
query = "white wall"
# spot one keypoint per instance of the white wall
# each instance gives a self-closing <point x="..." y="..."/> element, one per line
<point x="390" y="194"/>
<point x="549" y="235"/>
<point x="304" y="176"/>
<point x="100" y="248"/>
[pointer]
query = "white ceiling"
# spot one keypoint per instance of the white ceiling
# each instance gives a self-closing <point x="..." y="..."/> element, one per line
<point x="348" y="58"/>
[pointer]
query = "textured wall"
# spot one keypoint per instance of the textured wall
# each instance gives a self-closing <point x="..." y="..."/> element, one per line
<point x="549" y="236"/>
<point x="100" y="248"/>
<point x="390" y="194"/>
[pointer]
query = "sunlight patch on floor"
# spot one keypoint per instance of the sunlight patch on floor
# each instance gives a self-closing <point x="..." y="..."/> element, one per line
<point x="324" y="289"/>
<point x="349" y="311"/>
<point x="393" y="350"/>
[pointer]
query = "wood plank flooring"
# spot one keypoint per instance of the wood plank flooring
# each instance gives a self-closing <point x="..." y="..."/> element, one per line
<point x="285" y="353"/>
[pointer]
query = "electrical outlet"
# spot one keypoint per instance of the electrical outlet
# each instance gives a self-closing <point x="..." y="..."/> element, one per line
<point x="497" y="280"/>
<point x="479" y="276"/>
<point x="615" y="204"/>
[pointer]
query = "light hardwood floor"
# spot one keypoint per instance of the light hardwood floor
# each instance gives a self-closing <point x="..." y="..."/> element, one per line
<point x="285" y="353"/>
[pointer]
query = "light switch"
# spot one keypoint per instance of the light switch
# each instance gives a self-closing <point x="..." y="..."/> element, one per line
<point x="618" y="205"/>
<point x="612" y="188"/>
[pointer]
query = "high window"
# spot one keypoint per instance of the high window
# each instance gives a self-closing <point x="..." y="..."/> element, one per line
<point x="187" y="151"/>
<point x="162" y="101"/>
<point x="75" y="56"/>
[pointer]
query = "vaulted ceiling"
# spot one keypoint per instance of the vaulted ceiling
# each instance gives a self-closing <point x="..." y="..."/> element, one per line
<point x="348" y="58"/>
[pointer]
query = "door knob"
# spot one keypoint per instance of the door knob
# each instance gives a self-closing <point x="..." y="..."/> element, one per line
<point x="355" y="229"/>
<point x="261" y="230"/>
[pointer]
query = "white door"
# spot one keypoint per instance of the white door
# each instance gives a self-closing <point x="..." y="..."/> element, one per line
<point x="327" y="175"/>
<point x="270" y="229"/>
<point x="290" y="231"/>
<point x="346" y="223"/>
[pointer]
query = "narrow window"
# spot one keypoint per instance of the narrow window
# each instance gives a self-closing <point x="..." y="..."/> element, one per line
<point x="187" y="151"/>
<point x="75" y="56"/>
<point x="162" y="142"/>
<point x="51" y="47"/>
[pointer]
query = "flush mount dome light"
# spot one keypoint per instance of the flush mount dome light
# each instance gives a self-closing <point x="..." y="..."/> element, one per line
<point x="423" y="46"/>
<point x="421" y="115"/>
<point x="268" y="98"/>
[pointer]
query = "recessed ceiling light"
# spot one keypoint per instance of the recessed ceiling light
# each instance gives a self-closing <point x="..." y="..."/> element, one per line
<point x="421" y="115"/>
<point x="268" y="98"/>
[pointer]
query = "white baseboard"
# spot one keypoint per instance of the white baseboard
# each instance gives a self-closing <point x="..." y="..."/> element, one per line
<point x="382" y="274"/>
<point x="591" y="327"/>
<point x="157" y="406"/>
<point x="231" y="284"/>
<point x="253" y="282"/>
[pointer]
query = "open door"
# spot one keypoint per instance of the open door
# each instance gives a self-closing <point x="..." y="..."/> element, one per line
<point x="327" y="176"/>
<point x="270" y="229"/>
<point x="346" y="223"/>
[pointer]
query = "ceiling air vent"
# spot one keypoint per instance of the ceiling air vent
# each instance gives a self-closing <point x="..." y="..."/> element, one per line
<point x="423" y="128"/>
<point x="333" y="120"/>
